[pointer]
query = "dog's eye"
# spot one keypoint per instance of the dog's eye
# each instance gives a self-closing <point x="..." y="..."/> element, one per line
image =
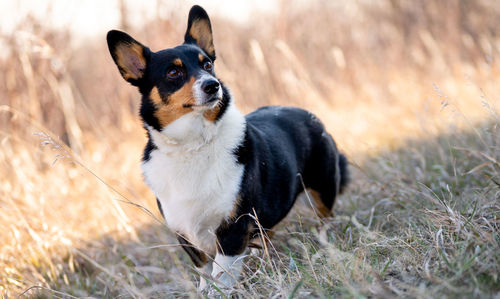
<point x="207" y="66"/>
<point x="174" y="73"/>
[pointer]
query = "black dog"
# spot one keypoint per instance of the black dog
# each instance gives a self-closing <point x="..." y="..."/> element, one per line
<point x="211" y="168"/>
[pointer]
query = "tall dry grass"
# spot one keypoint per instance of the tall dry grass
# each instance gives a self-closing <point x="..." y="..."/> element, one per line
<point x="408" y="89"/>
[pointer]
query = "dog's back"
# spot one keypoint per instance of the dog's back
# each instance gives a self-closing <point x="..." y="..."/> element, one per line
<point x="285" y="150"/>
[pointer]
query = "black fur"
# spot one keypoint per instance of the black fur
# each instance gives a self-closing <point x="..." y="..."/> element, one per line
<point x="284" y="149"/>
<point x="150" y="146"/>
<point x="233" y="236"/>
<point x="345" y="177"/>
<point x="159" y="207"/>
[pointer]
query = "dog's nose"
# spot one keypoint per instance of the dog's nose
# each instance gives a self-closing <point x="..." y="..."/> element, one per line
<point x="210" y="86"/>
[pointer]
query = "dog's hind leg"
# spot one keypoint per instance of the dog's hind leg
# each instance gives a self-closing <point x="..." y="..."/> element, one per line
<point x="325" y="175"/>
<point x="314" y="198"/>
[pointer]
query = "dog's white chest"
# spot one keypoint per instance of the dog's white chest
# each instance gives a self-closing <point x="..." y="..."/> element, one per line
<point x="197" y="189"/>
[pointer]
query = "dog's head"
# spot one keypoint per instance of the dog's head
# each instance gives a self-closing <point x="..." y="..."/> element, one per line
<point x="173" y="82"/>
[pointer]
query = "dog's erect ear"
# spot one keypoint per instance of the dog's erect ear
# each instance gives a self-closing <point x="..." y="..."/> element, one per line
<point x="129" y="55"/>
<point x="199" y="31"/>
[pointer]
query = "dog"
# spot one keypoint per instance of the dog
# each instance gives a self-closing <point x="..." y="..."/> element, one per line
<point x="220" y="178"/>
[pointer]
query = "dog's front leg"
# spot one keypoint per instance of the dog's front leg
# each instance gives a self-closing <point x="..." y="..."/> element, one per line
<point x="205" y="271"/>
<point x="199" y="260"/>
<point x="232" y="240"/>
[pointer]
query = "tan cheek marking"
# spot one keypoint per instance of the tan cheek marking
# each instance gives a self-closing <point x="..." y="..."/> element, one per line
<point x="177" y="62"/>
<point x="322" y="210"/>
<point x="211" y="115"/>
<point x="200" y="31"/>
<point x="154" y="95"/>
<point x="168" y="112"/>
<point x="123" y="54"/>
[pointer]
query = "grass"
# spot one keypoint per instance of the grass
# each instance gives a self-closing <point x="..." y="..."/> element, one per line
<point x="420" y="219"/>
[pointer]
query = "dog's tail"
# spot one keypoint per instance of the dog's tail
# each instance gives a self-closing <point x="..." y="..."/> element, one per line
<point x="345" y="177"/>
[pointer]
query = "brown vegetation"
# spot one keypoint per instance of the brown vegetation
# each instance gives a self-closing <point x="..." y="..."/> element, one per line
<point x="421" y="218"/>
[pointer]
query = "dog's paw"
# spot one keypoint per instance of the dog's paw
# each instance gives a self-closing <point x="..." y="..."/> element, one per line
<point x="225" y="280"/>
<point x="203" y="285"/>
<point x="220" y="284"/>
<point x="227" y="269"/>
<point x="216" y="290"/>
<point x="255" y="251"/>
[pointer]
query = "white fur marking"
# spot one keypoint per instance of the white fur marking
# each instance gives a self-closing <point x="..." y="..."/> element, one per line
<point x="198" y="92"/>
<point x="195" y="174"/>
<point x="227" y="269"/>
<point x="207" y="271"/>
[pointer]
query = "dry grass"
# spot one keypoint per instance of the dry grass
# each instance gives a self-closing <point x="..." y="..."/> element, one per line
<point x="409" y="91"/>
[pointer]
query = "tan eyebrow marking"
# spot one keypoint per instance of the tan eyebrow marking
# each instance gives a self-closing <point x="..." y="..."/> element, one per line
<point x="154" y="95"/>
<point x="201" y="57"/>
<point x="177" y="62"/>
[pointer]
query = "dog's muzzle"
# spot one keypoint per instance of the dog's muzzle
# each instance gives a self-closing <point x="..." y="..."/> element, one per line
<point x="208" y="91"/>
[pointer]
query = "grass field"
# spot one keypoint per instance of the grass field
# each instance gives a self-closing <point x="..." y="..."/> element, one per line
<point x="408" y="89"/>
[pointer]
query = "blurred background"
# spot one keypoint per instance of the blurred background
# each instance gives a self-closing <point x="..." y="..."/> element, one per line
<point x="377" y="73"/>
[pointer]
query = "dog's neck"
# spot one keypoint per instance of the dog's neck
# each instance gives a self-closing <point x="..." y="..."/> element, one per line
<point x="192" y="132"/>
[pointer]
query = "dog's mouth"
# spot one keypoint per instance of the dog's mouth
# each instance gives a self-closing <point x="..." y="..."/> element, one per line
<point x="209" y="103"/>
